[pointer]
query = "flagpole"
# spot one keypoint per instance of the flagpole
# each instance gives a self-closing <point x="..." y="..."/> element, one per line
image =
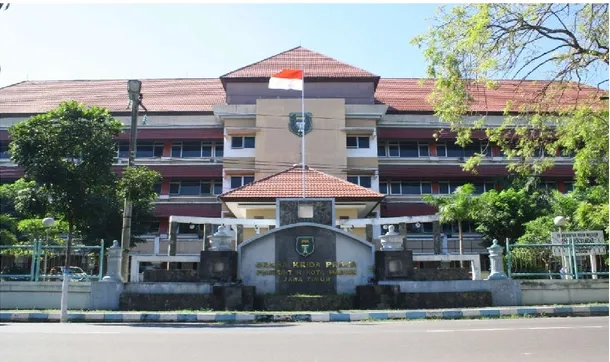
<point x="303" y="130"/>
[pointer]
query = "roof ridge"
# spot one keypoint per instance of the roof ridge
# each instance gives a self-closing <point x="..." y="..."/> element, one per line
<point x="342" y="180"/>
<point x="260" y="180"/>
<point x="260" y="61"/>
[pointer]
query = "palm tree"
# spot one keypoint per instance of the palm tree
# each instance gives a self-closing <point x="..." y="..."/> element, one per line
<point x="457" y="207"/>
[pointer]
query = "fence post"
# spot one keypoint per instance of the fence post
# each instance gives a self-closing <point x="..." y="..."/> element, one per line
<point x="33" y="266"/>
<point x="101" y="268"/>
<point x="574" y="261"/>
<point x="38" y="246"/>
<point x="508" y="261"/>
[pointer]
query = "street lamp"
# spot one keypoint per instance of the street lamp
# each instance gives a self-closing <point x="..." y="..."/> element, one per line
<point x="134" y="87"/>
<point x="47" y="222"/>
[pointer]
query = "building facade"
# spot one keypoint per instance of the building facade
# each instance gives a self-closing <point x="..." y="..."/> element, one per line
<point x="209" y="136"/>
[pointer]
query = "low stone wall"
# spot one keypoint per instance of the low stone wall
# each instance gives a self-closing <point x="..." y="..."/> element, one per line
<point x="505" y="292"/>
<point x="168" y="288"/>
<point x="391" y="297"/>
<point x="555" y="291"/>
<point x="304" y="303"/>
<point x="161" y="276"/>
<point x="163" y="302"/>
<point x="440" y="274"/>
<point x="43" y="295"/>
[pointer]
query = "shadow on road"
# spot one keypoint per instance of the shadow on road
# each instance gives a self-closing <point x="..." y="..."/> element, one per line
<point x="198" y="325"/>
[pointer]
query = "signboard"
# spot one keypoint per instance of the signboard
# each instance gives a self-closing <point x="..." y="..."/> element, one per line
<point x="578" y="237"/>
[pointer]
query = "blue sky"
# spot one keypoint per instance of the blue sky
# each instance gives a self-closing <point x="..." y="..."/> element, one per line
<point x="116" y="41"/>
<point x="201" y="40"/>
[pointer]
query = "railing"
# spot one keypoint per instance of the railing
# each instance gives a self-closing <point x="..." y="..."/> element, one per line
<point x="555" y="261"/>
<point x="51" y="256"/>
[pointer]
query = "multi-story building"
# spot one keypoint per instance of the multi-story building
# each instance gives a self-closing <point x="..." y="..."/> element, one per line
<point x="209" y="136"/>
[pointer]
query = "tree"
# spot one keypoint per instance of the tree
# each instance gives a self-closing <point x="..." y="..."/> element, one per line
<point x="471" y="45"/>
<point x="457" y="207"/>
<point x="69" y="152"/>
<point x="502" y="214"/>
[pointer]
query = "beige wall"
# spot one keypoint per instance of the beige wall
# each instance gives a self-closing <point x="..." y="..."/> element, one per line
<point x="238" y="162"/>
<point x="361" y="123"/>
<point x="362" y="162"/>
<point x="277" y="148"/>
<point x="240" y="122"/>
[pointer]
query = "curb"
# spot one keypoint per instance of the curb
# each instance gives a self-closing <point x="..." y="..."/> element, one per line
<point x="138" y="317"/>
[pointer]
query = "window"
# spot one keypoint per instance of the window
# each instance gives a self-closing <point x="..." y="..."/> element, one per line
<point x="148" y="149"/>
<point x="358" y="142"/>
<point x="547" y="185"/>
<point x="448" y="187"/>
<point x="196" y="149"/>
<point x="4" y="150"/>
<point x="154" y="227"/>
<point x="158" y="188"/>
<point x="424" y="228"/>
<point x="481" y="187"/>
<point x="403" y="149"/>
<point x="188" y="228"/>
<point x="123" y="150"/>
<point x="238" y="181"/>
<point x="195" y="188"/>
<point x="453" y="229"/>
<point x="242" y="142"/>
<point x="569" y="186"/>
<point x="364" y="181"/>
<point x="406" y="187"/>
<point x="451" y="149"/>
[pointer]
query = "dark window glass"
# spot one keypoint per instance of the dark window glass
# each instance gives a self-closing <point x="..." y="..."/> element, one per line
<point x="443" y="188"/>
<point x="427" y="227"/>
<point x="219" y="149"/>
<point x="4" y="150"/>
<point x="187" y="229"/>
<point x="426" y="188"/>
<point x="447" y="229"/>
<point x="191" y="149"/>
<point x="394" y="150"/>
<point x="395" y="188"/>
<point x="248" y="142"/>
<point x="144" y="149"/>
<point x="206" y="188"/>
<point x="408" y="149"/>
<point x="353" y="179"/>
<point x="217" y="188"/>
<point x="153" y="227"/>
<point x="206" y="150"/>
<point x="569" y="186"/>
<point x="352" y="142"/>
<point x="158" y="151"/>
<point x="411" y="188"/>
<point x="363" y="142"/>
<point x="365" y="181"/>
<point x="490" y="186"/>
<point x="237" y="142"/>
<point x="454" y="150"/>
<point x="479" y="187"/>
<point x="123" y="150"/>
<point x="174" y="188"/>
<point x="248" y="179"/>
<point x="157" y="188"/>
<point x="381" y="149"/>
<point x="235" y="181"/>
<point x="423" y="150"/>
<point x="471" y="149"/>
<point x="190" y="188"/>
<point x="441" y="150"/>
<point x="383" y="187"/>
<point x="176" y="149"/>
<point x="454" y="185"/>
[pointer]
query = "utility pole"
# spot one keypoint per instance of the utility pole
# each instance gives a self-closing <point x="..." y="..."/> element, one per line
<point x="133" y="88"/>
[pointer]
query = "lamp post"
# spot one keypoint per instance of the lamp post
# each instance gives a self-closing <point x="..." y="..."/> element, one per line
<point x="560" y="221"/>
<point x="47" y="222"/>
<point x="133" y="89"/>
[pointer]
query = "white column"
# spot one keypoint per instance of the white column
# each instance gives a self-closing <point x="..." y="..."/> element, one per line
<point x="593" y="260"/>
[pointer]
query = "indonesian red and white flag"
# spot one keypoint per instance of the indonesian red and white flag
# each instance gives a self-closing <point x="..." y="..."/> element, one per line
<point x="287" y="79"/>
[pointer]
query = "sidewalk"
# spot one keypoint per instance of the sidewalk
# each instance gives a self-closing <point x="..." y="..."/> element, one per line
<point x="347" y="316"/>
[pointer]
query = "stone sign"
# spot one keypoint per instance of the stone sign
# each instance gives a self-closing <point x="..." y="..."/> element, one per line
<point x="305" y="258"/>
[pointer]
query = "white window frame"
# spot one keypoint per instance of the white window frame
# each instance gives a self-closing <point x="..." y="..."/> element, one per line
<point x="359" y="180"/>
<point x="357" y="142"/>
<point x="386" y="146"/>
<point x="241" y="182"/>
<point x="210" y="182"/>
<point x="421" y="183"/>
<point x="243" y="142"/>
<point x="212" y="144"/>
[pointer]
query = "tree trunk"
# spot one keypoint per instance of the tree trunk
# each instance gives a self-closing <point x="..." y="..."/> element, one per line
<point x="461" y="237"/>
<point x="66" y="275"/>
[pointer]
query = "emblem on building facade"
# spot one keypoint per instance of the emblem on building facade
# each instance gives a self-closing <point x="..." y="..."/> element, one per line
<point x="295" y="123"/>
<point x="305" y="245"/>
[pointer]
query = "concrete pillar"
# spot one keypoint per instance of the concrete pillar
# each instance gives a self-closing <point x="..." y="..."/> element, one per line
<point x="171" y="248"/>
<point x="593" y="260"/>
<point x="402" y="230"/>
<point x="207" y="232"/>
<point x="496" y="261"/>
<point x="436" y="236"/>
<point x="239" y="234"/>
<point x="113" y="268"/>
<point x="156" y="246"/>
<point x="369" y="233"/>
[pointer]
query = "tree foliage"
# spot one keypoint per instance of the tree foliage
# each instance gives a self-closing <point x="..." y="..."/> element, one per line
<point x="457" y="207"/>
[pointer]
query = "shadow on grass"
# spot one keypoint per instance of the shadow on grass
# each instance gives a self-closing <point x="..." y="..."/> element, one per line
<point x="200" y="325"/>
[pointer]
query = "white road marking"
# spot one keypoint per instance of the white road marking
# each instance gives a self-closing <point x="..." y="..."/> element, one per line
<point x="506" y="329"/>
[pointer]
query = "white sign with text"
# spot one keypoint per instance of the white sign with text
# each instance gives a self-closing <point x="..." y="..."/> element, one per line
<point x="579" y="237"/>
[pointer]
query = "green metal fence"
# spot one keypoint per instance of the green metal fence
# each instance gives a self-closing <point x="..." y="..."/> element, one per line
<point x="556" y="261"/>
<point x="43" y="260"/>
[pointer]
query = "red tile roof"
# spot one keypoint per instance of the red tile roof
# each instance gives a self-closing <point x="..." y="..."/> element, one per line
<point x="316" y="65"/>
<point x="288" y="184"/>
<point x="160" y="95"/>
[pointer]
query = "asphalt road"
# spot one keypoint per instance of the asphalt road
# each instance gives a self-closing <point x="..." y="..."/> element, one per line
<point x="539" y="340"/>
